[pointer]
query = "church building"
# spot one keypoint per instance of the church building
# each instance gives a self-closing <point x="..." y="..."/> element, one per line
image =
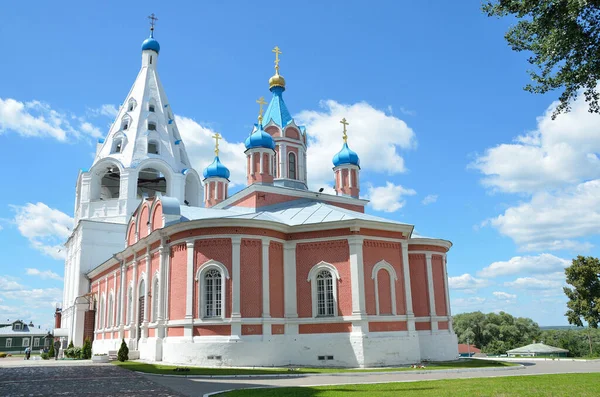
<point x="274" y="274"/>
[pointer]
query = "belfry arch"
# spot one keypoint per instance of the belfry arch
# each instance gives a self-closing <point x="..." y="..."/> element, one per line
<point x="106" y="182"/>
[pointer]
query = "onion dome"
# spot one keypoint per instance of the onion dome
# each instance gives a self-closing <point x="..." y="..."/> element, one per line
<point x="216" y="169"/>
<point x="260" y="138"/>
<point x="346" y="156"/>
<point x="277" y="81"/>
<point x="151" y="44"/>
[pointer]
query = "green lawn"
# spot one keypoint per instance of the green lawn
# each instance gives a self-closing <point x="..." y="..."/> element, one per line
<point x="170" y="369"/>
<point x="580" y="385"/>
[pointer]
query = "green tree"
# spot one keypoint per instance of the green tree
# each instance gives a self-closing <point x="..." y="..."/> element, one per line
<point x="86" y="351"/>
<point x="564" y="39"/>
<point x="123" y="354"/>
<point x="51" y="352"/>
<point x="584" y="297"/>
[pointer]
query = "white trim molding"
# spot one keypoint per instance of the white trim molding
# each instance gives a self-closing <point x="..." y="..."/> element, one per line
<point x="312" y="279"/>
<point x="383" y="265"/>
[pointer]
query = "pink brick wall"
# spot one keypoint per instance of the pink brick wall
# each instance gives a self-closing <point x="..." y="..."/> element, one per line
<point x="276" y="291"/>
<point x="385" y="293"/>
<point x="212" y="330"/>
<point x="442" y="324"/>
<point x="175" y="331"/>
<point x="157" y="213"/>
<point x="220" y="251"/>
<point x="420" y="247"/>
<point x="131" y="234"/>
<point x="324" y="328"/>
<point x="252" y="329"/>
<point x="251" y="278"/>
<point x="388" y="326"/>
<point x="144" y="219"/>
<point x="336" y="253"/>
<point x="418" y="284"/>
<point x="229" y="230"/>
<point x="177" y="282"/>
<point x="291" y="132"/>
<point x="423" y="326"/>
<point x="151" y="332"/>
<point x="373" y="252"/>
<point x="437" y="268"/>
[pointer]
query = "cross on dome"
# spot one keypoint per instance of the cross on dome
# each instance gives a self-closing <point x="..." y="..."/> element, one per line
<point x="153" y="20"/>
<point x="217" y="136"/>
<point x="345" y="123"/>
<point x="277" y="53"/>
<point x="261" y="102"/>
<point x="277" y="80"/>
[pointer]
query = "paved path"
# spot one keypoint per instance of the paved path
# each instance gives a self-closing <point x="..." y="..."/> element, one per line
<point x="199" y="387"/>
<point x="19" y="377"/>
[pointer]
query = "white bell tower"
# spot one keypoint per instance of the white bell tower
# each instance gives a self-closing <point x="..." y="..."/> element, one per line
<point x="142" y="156"/>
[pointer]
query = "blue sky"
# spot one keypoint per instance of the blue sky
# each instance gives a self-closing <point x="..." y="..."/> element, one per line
<point x="448" y="139"/>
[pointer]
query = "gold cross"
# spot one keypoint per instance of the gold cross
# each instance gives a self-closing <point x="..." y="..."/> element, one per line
<point x="217" y="136"/>
<point x="345" y="123"/>
<point x="261" y="102"/>
<point x="277" y="53"/>
<point x="153" y="20"/>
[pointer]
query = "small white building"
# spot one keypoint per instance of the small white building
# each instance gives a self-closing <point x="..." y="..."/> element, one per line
<point x="537" y="349"/>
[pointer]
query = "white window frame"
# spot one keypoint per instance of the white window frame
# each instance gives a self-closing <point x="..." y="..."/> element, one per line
<point x="384" y="265"/>
<point x="312" y="279"/>
<point x="205" y="267"/>
<point x="36" y="342"/>
<point x="110" y="310"/>
<point x="130" y="303"/>
<point x="25" y="342"/>
<point x="289" y="163"/>
<point x="155" y="143"/>
<point x="18" y="327"/>
<point x="155" y="288"/>
<point x="9" y="342"/>
<point x="101" y="312"/>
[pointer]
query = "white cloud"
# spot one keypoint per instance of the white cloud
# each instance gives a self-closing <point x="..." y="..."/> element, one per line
<point x="504" y="296"/>
<point x="45" y="227"/>
<point x="429" y="199"/>
<point x="8" y="284"/>
<point x="551" y="221"/>
<point x="200" y="146"/>
<point x="38" y="119"/>
<point x="552" y="282"/>
<point x="388" y="198"/>
<point x="107" y="110"/>
<point x="36" y="297"/>
<point x="374" y="135"/>
<point x="46" y="274"/>
<point x="467" y="283"/>
<point x="543" y="263"/>
<point x="472" y="301"/>
<point x="558" y="153"/>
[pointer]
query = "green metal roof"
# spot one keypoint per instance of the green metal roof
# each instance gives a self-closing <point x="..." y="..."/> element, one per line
<point x="539" y="348"/>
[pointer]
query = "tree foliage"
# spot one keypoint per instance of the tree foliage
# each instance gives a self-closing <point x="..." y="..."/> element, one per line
<point x="576" y="341"/>
<point x="51" y="351"/>
<point x="495" y="333"/>
<point x="564" y="38"/>
<point x="123" y="354"/>
<point x="584" y="297"/>
<point x="86" y="351"/>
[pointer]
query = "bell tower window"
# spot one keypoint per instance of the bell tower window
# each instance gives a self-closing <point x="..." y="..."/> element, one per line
<point x="292" y="166"/>
<point x="117" y="146"/>
<point x="151" y="108"/>
<point x="151" y="126"/>
<point x="153" y="147"/>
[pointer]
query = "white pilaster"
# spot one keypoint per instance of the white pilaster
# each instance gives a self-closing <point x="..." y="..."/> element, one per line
<point x="284" y="160"/>
<point x="407" y="287"/>
<point x="134" y="303"/>
<point x="163" y="254"/>
<point x="265" y="278"/>
<point x="236" y="326"/>
<point x="147" y="283"/>
<point x="431" y="291"/>
<point x="113" y="320"/>
<point x="445" y="273"/>
<point x="188" y="330"/>
<point x="122" y="293"/>
<point x="289" y="281"/>
<point x="260" y="162"/>
<point x="357" y="275"/>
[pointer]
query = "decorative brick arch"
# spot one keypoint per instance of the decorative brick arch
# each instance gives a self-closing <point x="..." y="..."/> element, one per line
<point x="144" y="221"/>
<point x="391" y="272"/>
<point x="202" y="269"/>
<point x="312" y="279"/>
<point x="157" y="216"/>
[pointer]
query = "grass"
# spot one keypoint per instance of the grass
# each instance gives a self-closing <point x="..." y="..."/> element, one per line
<point x="170" y="369"/>
<point x="581" y="385"/>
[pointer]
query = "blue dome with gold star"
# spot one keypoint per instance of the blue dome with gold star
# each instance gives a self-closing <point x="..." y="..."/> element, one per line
<point x="151" y="44"/>
<point x="216" y="169"/>
<point x="346" y="156"/>
<point x="260" y="138"/>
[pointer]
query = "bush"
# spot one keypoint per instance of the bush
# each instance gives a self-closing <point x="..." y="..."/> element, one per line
<point x="51" y="351"/>
<point x="45" y="356"/>
<point x="2" y="354"/>
<point x="70" y="345"/>
<point x="73" y="352"/>
<point x="123" y="354"/>
<point x="86" y="351"/>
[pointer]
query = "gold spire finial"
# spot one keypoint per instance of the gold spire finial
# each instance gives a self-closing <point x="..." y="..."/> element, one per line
<point x="277" y="53"/>
<point x="261" y="102"/>
<point x="217" y="136"/>
<point x="345" y="123"/>
<point x="153" y="20"/>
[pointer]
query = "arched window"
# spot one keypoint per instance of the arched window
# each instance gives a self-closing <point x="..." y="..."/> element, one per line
<point x="131" y="105"/>
<point x="292" y="166"/>
<point x="384" y="276"/>
<point x="153" y="147"/>
<point x="109" y="321"/>
<point x="323" y="278"/>
<point x="150" y="182"/>
<point x="151" y="126"/>
<point x="211" y="278"/>
<point x="212" y="293"/>
<point x="325" y="299"/>
<point x="155" y="300"/>
<point x="101" y="314"/>
<point x="117" y="146"/>
<point x="125" y="122"/>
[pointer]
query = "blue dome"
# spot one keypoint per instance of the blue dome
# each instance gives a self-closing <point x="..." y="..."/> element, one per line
<point x="260" y="138"/>
<point x="216" y="169"/>
<point x="151" y="44"/>
<point x="346" y="156"/>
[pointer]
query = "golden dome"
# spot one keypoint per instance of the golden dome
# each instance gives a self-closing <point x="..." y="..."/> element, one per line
<point x="276" y="81"/>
